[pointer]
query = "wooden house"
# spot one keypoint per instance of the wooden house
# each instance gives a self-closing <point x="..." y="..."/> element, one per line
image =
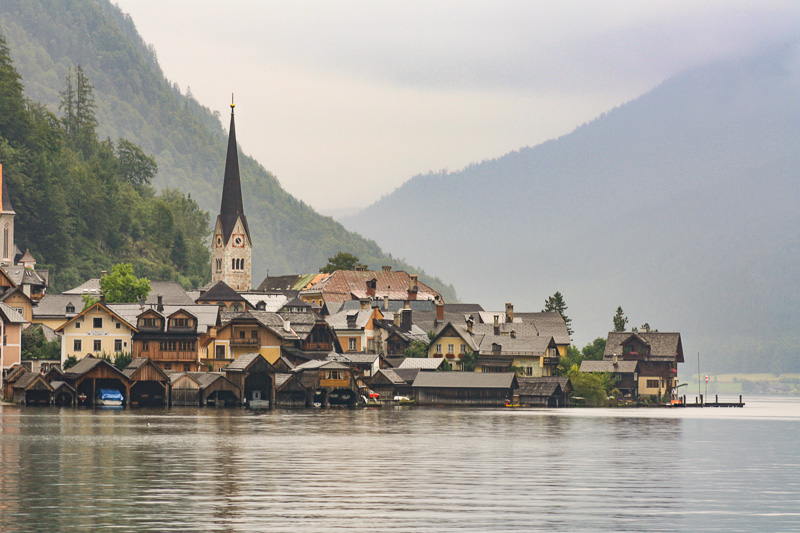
<point x="13" y="296"/>
<point x="332" y="383"/>
<point x="63" y="393"/>
<point x="203" y="388"/>
<point x="464" y="388"/>
<point x="247" y="332"/>
<point x="658" y="355"/>
<point x="389" y="384"/>
<point x="255" y="376"/>
<point x="91" y="374"/>
<point x="551" y="391"/>
<point x="292" y="391"/>
<point x="11" y="375"/>
<point x="149" y="384"/>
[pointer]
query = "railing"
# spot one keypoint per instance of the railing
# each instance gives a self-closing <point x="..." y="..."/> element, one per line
<point x="172" y="356"/>
<point x="550" y="360"/>
<point x="318" y="346"/>
<point x="245" y="342"/>
<point x="334" y="383"/>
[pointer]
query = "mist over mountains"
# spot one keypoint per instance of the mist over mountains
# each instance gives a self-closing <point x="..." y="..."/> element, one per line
<point x="681" y="206"/>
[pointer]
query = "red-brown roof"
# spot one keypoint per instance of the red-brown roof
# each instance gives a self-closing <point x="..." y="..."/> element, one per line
<point x="348" y="284"/>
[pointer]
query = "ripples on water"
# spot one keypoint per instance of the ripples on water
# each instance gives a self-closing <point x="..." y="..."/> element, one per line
<point x="401" y="469"/>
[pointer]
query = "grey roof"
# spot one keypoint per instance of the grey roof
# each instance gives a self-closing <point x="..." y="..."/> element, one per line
<point x="391" y="375"/>
<point x="86" y="365"/>
<point x="280" y="379"/>
<point x="423" y="363"/>
<point x="272" y="302"/>
<point x="206" y="315"/>
<point x="473" y="340"/>
<point x="49" y="333"/>
<point x="394" y="305"/>
<point x="339" y="320"/>
<point x="462" y="308"/>
<point x="91" y="286"/>
<point x="355" y="358"/>
<point x="272" y="321"/>
<point x="25" y="380"/>
<point x="662" y="345"/>
<point x="529" y="325"/>
<point x="21" y="275"/>
<point x="220" y="292"/>
<point x="515" y="345"/>
<point x="243" y="361"/>
<point x="542" y="386"/>
<point x="205" y="379"/>
<point x="465" y="380"/>
<point x="406" y="374"/>
<point x="622" y="367"/>
<point x="281" y="283"/>
<point x="171" y="293"/>
<point x="59" y="384"/>
<point x="414" y="334"/>
<point x="315" y="364"/>
<point x="137" y="363"/>
<point x="10" y="315"/>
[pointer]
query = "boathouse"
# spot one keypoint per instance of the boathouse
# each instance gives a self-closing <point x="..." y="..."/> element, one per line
<point x="465" y="388"/>
<point x="255" y="376"/>
<point x="32" y="389"/>
<point x="149" y="384"/>
<point x="549" y="391"/>
<point x="91" y="374"/>
<point x="203" y="388"/>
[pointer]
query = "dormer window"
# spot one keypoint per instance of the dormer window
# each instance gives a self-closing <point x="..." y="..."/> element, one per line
<point x="70" y="308"/>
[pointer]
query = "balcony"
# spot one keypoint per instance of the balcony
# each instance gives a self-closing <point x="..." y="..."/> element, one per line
<point x="174" y="356"/>
<point x="318" y="346"/>
<point x="245" y="342"/>
<point x="550" y="361"/>
<point x="335" y="383"/>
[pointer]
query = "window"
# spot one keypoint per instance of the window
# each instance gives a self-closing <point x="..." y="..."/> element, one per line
<point x="17" y="309"/>
<point x="371" y="345"/>
<point x="219" y="265"/>
<point x="254" y="334"/>
<point x="98" y="346"/>
<point x="220" y="354"/>
<point x="180" y="323"/>
<point x="149" y="322"/>
<point x="70" y="308"/>
<point x="241" y="334"/>
<point x="77" y="325"/>
<point x="118" y="325"/>
<point x="76" y="345"/>
<point x="652" y="383"/>
<point x="450" y="348"/>
<point x="97" y="322"/>
<point x="462" y="348"/>
<point x="117" y="345"/>
<point x="5" y="242"/>
<point x="145" y="347"/>
<point x="438" y="348"/>
<point x="351" y="345"/>
<point x="187" y="368"/>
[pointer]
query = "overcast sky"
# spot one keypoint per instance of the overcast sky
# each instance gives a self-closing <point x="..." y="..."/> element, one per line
<point x="344" y="101"/>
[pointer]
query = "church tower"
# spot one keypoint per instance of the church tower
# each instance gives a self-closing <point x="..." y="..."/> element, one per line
<point x="7" y="214"/>
<point x="231" y="249"/>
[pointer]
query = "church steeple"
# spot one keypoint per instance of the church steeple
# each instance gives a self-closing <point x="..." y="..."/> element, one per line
<point x="232" y="248"/>
<point x="232" y="206"/>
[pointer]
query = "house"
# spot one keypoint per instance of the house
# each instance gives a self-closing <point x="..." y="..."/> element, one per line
<point x="389" y="384"/>
<point x="254" y="376"/>
<point x="624" y="374"/>
<point x="172" y="336"/>
<point x="11" y="324"/>
<point x="453" y="342"/>
<point x="203" y="388"/>
<point x="221" y="295"/>
<point x="551" y="391"/>
<point x="393" y="337"/>
<point x="332" y="291"/>
<point x="32" y="282"/>
<point x="13" y="296"/>
<point x="464" y="388"/>
<point x="658" y="355"/>
<point x="96" y="330"/>
<point x="294" y="391"/>
<point x="32" y="389"/>
<point x="315" y="337"/>
<point x="247" y="332"/>
<point x="527" y="355"/>
<point x="10" y="376"/>
<point x="364" y="365"/>
<point x="91" y="374"/>
<point x="544" y="324"/>
<point x="55" y="309"/>
<point x="355" y="329"/>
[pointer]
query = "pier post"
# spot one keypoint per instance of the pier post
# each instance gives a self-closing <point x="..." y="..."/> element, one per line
<point x="701" y="400"/>
<point x="716" y="398"/>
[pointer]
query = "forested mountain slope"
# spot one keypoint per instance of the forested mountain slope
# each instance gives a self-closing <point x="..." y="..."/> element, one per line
<point x="681" y="206"/>
<point x="137" y="102"/>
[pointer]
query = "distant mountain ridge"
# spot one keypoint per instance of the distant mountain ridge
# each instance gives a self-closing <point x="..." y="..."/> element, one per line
<point x="136" y="101"/>
<point x="681" y="206"/>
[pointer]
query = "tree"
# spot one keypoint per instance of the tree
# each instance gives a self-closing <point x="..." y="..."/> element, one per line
<point x="620" y="320"/>
<point x="341" y="261"/>
<point x="591" y="386"/>
<point x="77" y="103"/>
<point x="595" y="350"/>
<point x="469" y="360"/>
<point x="88" y="301"/>
<point x="417" y="349"/>
<point x="556" y="303"/>
<point x="135" y="165"/>
<point x="121" y="286"/>
<point x="70" y="362"/>
<point x="122" y="360"/>
<point x="35" y="346"/>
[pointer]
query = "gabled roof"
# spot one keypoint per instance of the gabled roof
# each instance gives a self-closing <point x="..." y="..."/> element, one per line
<point x="10" y="316"/>
<point x="663" y="346"/>
<point x="271" y="302"/>
<point x="16" y="290"/>
<point x="390" y="375"/>
<point x="246" y="362"/>
<point x="98" y="305"/>
<point x="90" y="286"/>
<point x="171" y="293"/>
<point x="622" y="367"/>
<point x="423" y="363"/>
<point x="57" y="385"/>
<point x="414" y="334"/>
<point x="221" y="292"/>
<point x="465" y="380"/>
<point x="543" y="386"/>
<point x="289" y="282"/>
<point x="27" y="380"/>
<point x="516" y="345"/>
<point x="55" y="305"/>
<point x="86" y="365"/>
<point x="140" y="362"/>
<point x="339" y="321"/>
<point x="353" y="358"/>
<point x="462" y="308"/>
<point x="394" y="305"/>
<point x="231" y="207"/>
<point x="472" y="340"/>
<point x="206" y="315"/>
<point x="316" y="364"/>
<point x="15" y="373"/>
<point x="547" y="324"/>
<point x="25" y="276"/>
<point x="346" y="284"/>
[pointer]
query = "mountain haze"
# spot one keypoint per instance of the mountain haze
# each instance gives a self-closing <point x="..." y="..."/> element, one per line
<point x="681" y="206"/>
<point x="136" y="101"/>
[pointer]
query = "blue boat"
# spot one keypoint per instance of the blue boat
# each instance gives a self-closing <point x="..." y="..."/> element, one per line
<point x="109" y="397"/>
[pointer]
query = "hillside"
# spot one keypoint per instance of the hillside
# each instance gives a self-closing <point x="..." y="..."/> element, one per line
<point x="681" y="206"/>
<point x="136" y="101"/>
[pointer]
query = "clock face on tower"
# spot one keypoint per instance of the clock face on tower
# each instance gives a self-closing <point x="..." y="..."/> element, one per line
<point x="238" y="240"/>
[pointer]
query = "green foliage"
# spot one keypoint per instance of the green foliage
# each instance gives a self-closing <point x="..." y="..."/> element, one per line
<point x="556" y="303"/>
<point x="469" y="360"/>
<point x="122" y="360"/>
<point x="620" y="320"/>
<point x="574" y="357"/>
<point x="82" y="204"/>
<point x="594" y="351"/>
<point x="591" y="386"/>
<point x="417" y="349"/>
<point x="341" y="261"/>
<point x="69" y="362"/>
<point x="35" y="346"/>
<point x="88" y="301"/>
<point x="121" y="286"/>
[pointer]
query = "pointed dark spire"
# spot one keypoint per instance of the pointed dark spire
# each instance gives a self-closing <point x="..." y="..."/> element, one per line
<point x="232" y="206"/>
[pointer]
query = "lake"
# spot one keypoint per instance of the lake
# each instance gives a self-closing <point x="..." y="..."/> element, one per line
<point x="402" y="469"/>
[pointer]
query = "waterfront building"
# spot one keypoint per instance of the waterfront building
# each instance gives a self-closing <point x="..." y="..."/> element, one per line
<point x="231" y="248"/>
<point x="465" y="388"/>
<point x="658" y="355"/>
<point x="97" y="330"/>
<point x="355" y="329"/>
<point x="203" y="388"/>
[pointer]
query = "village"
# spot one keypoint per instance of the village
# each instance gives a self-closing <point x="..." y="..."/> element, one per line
<point x="342" y="338"/>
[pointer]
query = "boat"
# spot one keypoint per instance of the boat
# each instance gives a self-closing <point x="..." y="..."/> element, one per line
<point x="109" y="398"/>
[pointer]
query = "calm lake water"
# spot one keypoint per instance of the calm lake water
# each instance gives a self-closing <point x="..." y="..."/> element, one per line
<point x="402" y="469"/>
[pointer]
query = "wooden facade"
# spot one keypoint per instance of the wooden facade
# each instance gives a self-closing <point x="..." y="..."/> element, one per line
<point x="202" y="389"/>
<point x="91" y="374"/>
<point x="254" y="376"/>
<point x="173" y="341"/>
<point x="150" y="385"/>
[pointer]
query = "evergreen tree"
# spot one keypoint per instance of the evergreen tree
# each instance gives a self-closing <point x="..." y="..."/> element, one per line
<point x="620" y="320"/>
<point x="556" y="303"/>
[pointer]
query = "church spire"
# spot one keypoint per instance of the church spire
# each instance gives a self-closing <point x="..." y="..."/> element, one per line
<point x="232" y="206"/>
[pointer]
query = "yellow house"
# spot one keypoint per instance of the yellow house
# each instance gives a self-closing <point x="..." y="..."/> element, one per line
<point x="260" y="332"/>
<point x="13" y="296"/>
<point x="454" y="342"/>
<point x="355" y="328"/>
<point x="95" y="331"/>
<point x="55" y="309"/>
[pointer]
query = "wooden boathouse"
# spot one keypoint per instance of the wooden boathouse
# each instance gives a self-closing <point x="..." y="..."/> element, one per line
<point x="204" y="388"/>
<point x="464" y="388"/>
<point x="149" y="384"/>
<point x="91" y="374"/>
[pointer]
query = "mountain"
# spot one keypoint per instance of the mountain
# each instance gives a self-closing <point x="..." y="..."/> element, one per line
<point x="137" y="102"/>
<point x="681" y="206"/>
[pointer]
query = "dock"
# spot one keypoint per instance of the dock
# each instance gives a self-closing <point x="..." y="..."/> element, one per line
<point x="716" y="403"/>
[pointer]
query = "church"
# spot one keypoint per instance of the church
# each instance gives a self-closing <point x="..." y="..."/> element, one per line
<point x="231" y="249"/>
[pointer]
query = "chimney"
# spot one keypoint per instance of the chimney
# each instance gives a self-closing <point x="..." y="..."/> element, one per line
<point x="103" y="299"/>
<point x="397" y="318"/>
<point x="365" y="303"/>
<point x="371" y="285"/>
<point x="406" y="304"/>
<point x="470" y="322"/>
<point x="509" y="313"/>
<point x="387" y="268"/>
<point x="412" y="287"/>
<point x="496" y="324"/>
<point x="513" y="334"/>
<point x="386" y="302"/>
<point x="360" y="268"/>
<point x="103" y="273"/>
<point x="439" y="311"/>
<point x="160" y="305"/>
<point x="405" y="319"/>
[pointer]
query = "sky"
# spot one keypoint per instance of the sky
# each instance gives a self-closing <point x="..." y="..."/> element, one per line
<point x="344" y="101"/>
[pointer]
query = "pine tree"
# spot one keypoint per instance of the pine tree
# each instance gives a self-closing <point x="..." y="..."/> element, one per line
<point x="556" y="303"/>
<point x="620" y="320"/>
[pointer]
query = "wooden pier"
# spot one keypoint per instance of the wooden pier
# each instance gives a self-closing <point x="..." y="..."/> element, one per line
<point x="715" y="403"/>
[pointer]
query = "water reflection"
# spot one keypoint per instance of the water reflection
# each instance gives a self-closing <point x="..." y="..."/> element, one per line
<point x="394" y="469"/>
